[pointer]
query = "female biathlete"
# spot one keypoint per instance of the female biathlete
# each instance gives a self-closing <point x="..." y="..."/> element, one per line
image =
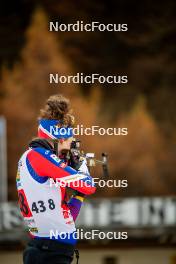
<point x="48" y="214"/>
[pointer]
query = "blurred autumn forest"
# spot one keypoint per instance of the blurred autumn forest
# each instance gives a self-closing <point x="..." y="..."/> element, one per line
<point x="146" y="105"/>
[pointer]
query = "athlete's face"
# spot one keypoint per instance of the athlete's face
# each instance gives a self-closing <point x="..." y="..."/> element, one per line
<point x="65" y="144"/>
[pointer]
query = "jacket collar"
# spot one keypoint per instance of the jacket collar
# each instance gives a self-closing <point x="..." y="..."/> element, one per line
<point x="41" y="143"/>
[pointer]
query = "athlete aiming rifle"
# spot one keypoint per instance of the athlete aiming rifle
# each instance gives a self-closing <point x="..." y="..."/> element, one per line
<point x="45" y="207"/>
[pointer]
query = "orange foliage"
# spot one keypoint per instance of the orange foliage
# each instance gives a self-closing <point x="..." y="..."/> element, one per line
<point x="139" y="157"/>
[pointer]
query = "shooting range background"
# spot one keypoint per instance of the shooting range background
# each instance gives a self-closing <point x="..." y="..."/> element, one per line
<point x="146" y="105"/>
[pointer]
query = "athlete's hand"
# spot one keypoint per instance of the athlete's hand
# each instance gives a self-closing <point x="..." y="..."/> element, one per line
<point x="74" y="160"/>
<point x="83" y="168"/>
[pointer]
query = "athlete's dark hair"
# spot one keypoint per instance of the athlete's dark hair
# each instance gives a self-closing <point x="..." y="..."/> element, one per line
<point x="58" y="107"/>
